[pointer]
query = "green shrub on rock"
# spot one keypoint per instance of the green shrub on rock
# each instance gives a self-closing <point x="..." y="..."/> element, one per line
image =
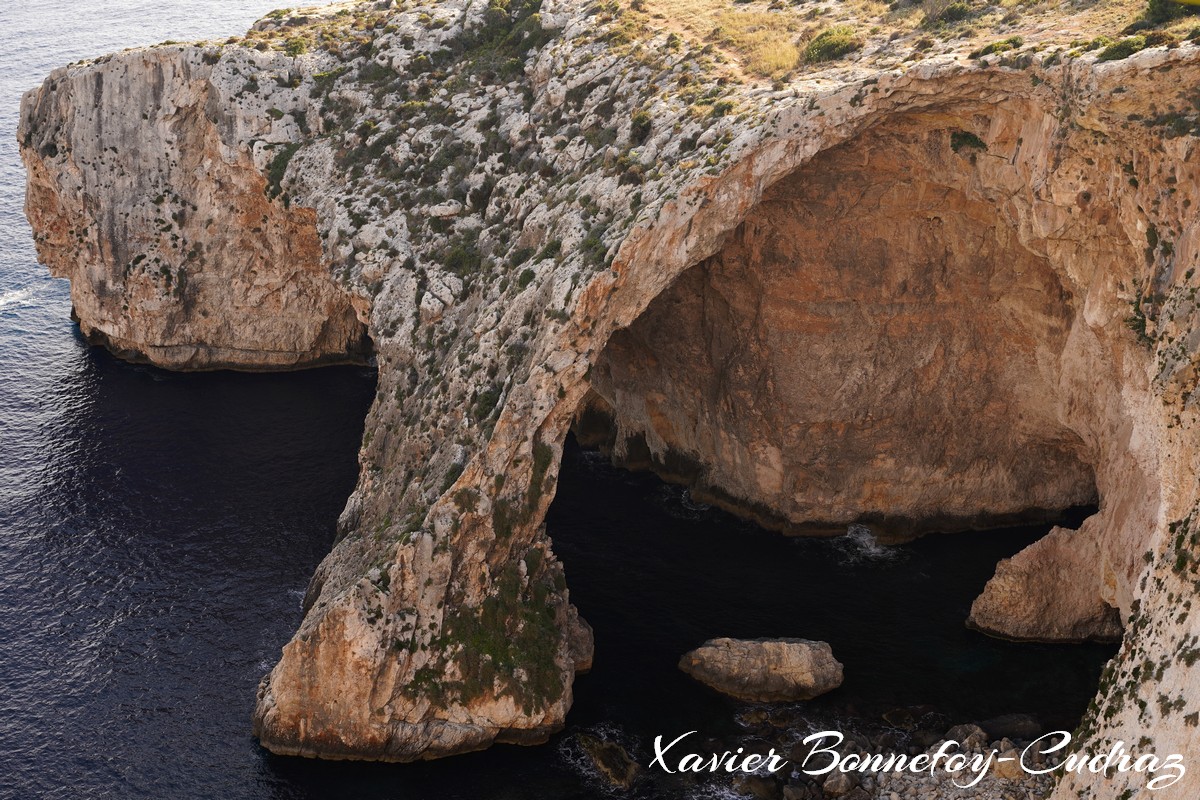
<point x="955" y="12"/>
<point x="832" y="43"/>
<point x="1159" y="11"/>
<point x="1001" y="46"/>
<point x="641" y="125"/>
<point x="1122" y="49"/>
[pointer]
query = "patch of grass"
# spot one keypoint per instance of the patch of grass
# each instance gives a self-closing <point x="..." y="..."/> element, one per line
<point x="761" y="42"/>
<point x="764" y="41"/>
<point x="832" y="43"/>
<point x="520" y="255"/>
<point x="1123" y="48"/>
<point x="463" y="259"/>
<point x="640" y="125"/>
<point x="939" y="13"/>
<point x="452" y="475"/>
<point x="496" y="51"/>
<point x="508" y="643"/>
<point x="1097" y="43"/>
<point x="543" y="456"/>
<point x="1001" y="46"/>
<point x="295" y="46"/>
<point x="1159" y="38"/>
<point x="278" y="168"/>
<point x="503" y="519"/>
<point x="955" y="12"/>
<point x="1136" y="322"/>
<point x="467" y="500"/>
<point x="721" y="108"/>
<point x="485" y="402"/>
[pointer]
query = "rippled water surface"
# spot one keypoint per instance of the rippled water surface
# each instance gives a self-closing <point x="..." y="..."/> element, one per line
<point x="157" y="532"/>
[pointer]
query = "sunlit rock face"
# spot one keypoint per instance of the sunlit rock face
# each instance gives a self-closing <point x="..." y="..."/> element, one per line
<point x="176" y="253"/>
<point x="925" y="297"/>
<point x="874" y="343"/>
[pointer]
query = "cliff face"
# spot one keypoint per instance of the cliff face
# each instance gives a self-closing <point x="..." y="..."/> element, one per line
<point x="925" y="296"/>
<point x="858" y="332"/>
<point x="159" y="213"/>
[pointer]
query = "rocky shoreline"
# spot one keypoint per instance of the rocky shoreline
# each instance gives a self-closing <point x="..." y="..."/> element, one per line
<point x="902" y="732"/>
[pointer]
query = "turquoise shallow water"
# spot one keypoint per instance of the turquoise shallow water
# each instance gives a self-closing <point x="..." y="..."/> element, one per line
<point x="157" y="532"/>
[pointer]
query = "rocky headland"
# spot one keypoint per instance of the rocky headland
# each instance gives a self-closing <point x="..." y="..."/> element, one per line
<point x="929" y="270"/>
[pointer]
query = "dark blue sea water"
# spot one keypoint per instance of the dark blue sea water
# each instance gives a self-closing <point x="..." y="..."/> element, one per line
<point x="157" y="532"/>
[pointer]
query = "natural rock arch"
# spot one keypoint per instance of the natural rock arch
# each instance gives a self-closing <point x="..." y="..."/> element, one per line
<point x="1075" y="171"/>
<point x="876" y="342"/>
<point x="1078" y="244"/>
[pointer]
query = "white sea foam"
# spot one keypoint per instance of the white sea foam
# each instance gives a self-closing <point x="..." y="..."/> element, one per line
<point x="15" y="297"/>
<point x="571" y="753"/>
<point x="859" y="545"/>
<point x="677" y="501"/>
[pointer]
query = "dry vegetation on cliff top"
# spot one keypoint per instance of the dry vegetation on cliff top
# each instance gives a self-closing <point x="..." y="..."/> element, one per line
<point x="753" y="40"/>
<point x="776" y="39"/>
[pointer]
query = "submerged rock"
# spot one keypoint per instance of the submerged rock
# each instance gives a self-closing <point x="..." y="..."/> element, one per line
<point x="611" y="761"/>
<point x="1012" y="726"/>
<point x="765" y="670"/>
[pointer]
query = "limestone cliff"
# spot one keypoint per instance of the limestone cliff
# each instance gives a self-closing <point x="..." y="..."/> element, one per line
<point x="925" y="292"/>
<point x="165" y="224"/>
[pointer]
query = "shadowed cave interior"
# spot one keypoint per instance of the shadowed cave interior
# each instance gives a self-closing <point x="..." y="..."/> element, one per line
<point x="873" y="344"/>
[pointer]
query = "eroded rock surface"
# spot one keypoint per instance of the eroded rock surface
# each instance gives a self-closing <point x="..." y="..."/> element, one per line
<point x="872" y="326"/>
<point x="1025" y="599"/>
<point x="942" y="291"/>
<point x="175" y="250"/>
<point x="765" y="670"/>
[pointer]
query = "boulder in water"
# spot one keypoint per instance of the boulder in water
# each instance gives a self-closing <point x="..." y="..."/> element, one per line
<point x="765" y="670"/>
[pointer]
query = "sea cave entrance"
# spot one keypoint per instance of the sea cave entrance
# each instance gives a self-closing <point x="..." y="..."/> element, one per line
<point x="656" y="574"/>
<point x="876" y="347"/>
<point x="873" y="344"/>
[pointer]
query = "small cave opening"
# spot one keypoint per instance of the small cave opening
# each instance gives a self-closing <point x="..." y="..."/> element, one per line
<point x="874" y="354"/>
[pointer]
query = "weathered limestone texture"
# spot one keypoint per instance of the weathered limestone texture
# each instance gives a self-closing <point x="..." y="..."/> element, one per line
<point x="1025" y="600"/>
<point x="936" y="293"/>
<point x="765" y="670"/>
<point x="175" y="251"/>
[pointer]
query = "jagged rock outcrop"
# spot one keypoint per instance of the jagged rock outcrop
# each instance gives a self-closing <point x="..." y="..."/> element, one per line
<point x="199" y="268"/>
<point x="932" y="293"/>
<point x="765" y="670"/>
<point x="1025" y="599"/>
